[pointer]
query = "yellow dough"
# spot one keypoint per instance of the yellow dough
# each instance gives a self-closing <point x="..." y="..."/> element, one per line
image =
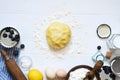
<point x="58" y="35"/>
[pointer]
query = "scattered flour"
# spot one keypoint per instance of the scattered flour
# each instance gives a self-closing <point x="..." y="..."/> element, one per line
<point x="79" y="74"/>
<point x="73" y="46"/>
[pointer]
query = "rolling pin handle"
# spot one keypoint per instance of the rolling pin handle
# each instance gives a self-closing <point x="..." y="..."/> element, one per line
<point x="5" y="55"/>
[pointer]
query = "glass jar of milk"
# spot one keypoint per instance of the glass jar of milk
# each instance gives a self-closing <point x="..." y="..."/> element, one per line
<point x="113" y="42"/>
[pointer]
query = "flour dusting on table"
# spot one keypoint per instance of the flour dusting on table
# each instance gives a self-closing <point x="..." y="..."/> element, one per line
<point x="73" y="46"/>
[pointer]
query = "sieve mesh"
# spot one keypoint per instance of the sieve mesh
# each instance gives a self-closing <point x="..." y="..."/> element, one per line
<point x="116" y="65"/>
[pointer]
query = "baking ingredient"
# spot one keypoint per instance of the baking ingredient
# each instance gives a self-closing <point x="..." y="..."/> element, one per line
<point x="99" y="47"/>
<point x="16" y="52"/>
<point x="8" y="29"/>
<point x="4" y="35"/>
<point x="78" y="74"/>
<point x="50" y="73"/>
<point x="103" y="31"/>
<point x="58" y="35"/>
<point x="39" y="35"/>
<point x="116" y="41"/>
<point x="35" y="74"/>
<point x="61" y="73"/>
<point x="17" y="37"/>
<point x="22" y="46"/>
<point x="105" y="67"/>
<point x="112" y="76"/>
<point x="11" y="32"/>
<point x="106" y="71"/>
<point x="104" y="76"/>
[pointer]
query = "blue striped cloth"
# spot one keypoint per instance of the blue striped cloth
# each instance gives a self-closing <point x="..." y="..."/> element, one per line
<point x="4" y="74"/>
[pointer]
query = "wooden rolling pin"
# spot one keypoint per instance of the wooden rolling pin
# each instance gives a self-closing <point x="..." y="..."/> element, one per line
<point x="13" y="67"/>
<point x="97" y="66"/>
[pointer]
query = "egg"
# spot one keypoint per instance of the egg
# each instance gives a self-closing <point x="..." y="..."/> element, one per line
<point x="61" y="73"/>
<point x="50" y="73"/>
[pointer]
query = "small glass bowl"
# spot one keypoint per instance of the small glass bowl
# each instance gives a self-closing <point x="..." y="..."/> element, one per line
<point x="111" y="42"/>
<point x="25" y="63"/>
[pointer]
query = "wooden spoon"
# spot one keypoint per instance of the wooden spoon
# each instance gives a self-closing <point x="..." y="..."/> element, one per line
<point x="97" y="66"/>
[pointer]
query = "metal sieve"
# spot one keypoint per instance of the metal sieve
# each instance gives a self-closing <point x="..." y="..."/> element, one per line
<point x="115" y="66"/>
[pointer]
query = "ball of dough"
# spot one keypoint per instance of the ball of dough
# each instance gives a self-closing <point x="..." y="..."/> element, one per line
<point x="58" y="35"/>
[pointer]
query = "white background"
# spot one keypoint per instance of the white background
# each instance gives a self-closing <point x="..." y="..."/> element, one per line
<point x="25" y="14"/>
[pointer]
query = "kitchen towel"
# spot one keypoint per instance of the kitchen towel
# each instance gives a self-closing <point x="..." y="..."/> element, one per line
<point x="4" y="74"/>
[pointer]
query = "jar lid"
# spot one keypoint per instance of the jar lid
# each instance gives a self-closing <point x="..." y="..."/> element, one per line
<point x="9" y="37"/>
<point x="103" y="31"/>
